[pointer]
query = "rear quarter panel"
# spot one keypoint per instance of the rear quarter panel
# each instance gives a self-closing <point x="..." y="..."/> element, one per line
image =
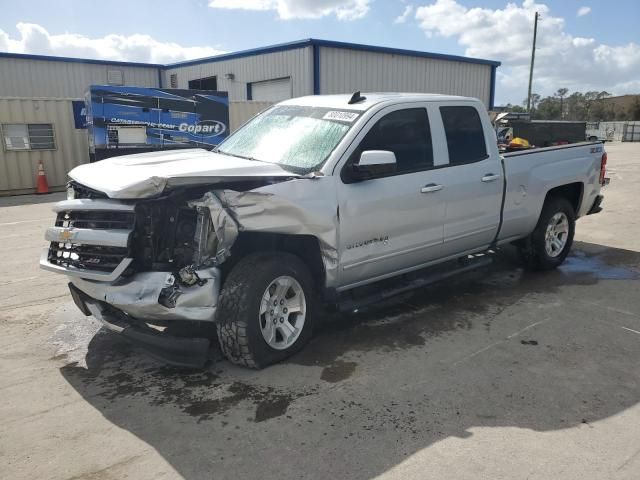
<point x="531" y="175"/>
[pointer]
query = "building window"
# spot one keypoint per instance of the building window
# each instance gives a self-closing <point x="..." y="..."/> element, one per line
<point x="173" y="80"/>
<point x="28" y="136"/>
<point x="208" y="83"/>
<point x="465" y="135"/>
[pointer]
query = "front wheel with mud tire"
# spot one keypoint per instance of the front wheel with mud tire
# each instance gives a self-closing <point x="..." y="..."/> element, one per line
<point x="265" y="309"/>
<point x="551" y="240"/>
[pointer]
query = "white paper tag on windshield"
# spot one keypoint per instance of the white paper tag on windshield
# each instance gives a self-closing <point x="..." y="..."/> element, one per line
<point x="341" y="116"/>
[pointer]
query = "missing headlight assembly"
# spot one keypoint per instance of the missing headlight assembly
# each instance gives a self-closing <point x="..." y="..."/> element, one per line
<point x="216" y="230"/>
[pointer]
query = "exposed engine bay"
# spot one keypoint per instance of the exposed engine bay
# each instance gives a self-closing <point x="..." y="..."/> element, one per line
<point x="175" y="232"/>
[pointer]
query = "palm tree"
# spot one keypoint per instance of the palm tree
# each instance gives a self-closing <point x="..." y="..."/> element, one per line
<point x="562" y="92"/>
<point x="535" y="100"/>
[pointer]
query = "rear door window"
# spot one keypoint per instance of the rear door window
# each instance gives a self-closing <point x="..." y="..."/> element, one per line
<point x="465" y="135"/>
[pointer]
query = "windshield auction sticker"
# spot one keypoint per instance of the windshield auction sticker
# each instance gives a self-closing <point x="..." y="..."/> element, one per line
<point x="348" y="117"/>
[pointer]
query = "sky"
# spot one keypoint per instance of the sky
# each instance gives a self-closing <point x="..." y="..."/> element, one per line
<point x="582" y="44"/>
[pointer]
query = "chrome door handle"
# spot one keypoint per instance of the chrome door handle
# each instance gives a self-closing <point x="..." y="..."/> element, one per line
<point x="490" y="177"/>
<point x="431" y="187"/>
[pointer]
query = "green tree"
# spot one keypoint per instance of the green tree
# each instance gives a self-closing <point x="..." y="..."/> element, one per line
<point x="514" y="108"/>
<point x="548" y="109"/>
<point x="600" y="110"/>
<point x="535" y="99"/>
<point x="589" y="101"/>
<point x="575" y="106"/>
<point x="579" y="106"/>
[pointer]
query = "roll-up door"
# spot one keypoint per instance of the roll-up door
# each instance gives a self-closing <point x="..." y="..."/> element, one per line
<point x="271" y="90"/>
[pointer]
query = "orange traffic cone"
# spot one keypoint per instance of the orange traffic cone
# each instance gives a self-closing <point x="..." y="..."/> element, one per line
<point x="42" y="185"/>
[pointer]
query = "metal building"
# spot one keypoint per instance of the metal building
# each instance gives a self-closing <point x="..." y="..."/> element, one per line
<point x="315" y="67"/>
<point x="36" y="92"/>
<point x="36" y="113"/>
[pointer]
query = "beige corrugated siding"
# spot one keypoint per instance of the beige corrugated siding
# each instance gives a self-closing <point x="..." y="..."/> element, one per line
<point x="18" y="168"/>
<point x="41" y="91"/>
<point x="240" y="112"/>
<point x="345" y="71"/>
<point x="296" y="64"/>
<point x="44" y="78"/>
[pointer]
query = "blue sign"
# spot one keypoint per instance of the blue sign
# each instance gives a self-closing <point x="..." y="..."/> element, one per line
<point x="79" y="113"/>
<point x="170" y="117"/>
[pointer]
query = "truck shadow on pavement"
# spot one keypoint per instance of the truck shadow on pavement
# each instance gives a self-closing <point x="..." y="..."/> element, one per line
<point x="496" y="348"/>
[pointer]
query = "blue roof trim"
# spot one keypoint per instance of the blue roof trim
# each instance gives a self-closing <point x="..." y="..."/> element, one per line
<point x="332" y="44"/>
<point x="261" y="50"/>
<point x="401" y="51"/>
<point x="281" y="47"/>
<point x="50" y="58"/>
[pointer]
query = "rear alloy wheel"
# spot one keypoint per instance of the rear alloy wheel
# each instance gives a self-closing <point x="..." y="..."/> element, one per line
<point x="556" y="234"/>
<point x="550" y="242"/>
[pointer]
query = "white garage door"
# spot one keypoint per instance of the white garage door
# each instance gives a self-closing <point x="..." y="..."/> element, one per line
<point x="271" y="90"/>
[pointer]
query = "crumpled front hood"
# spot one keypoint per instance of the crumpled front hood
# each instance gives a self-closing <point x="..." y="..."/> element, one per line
<point x="147" y="174"/>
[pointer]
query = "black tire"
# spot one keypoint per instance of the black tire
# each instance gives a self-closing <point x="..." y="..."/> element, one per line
<point x="532" y="249"/>
<point x="238" y="324"/>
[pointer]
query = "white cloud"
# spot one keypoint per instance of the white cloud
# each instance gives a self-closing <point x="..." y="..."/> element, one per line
<point x="562" y="60"/>
<point x="35" y="39"/>
<point x="290" y="9"/>
<point x="582" y="11"/>
<point x="408" y="10"/>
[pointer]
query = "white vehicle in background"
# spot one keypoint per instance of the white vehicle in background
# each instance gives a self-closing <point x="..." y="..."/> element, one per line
<point x="307" y="203"/>
<point x="597" y="132"/>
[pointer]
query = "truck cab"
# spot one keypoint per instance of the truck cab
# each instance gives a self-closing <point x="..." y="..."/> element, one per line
<point x="441" y="199"/>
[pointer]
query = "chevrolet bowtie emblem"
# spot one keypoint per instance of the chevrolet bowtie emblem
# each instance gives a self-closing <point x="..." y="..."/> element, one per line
<point x="65" y="235"/>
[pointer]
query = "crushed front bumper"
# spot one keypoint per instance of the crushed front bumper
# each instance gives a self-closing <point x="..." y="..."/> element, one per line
<point x="129" y="306"/>
<point x="192" y="352"/>
<point x="158" y="296"/>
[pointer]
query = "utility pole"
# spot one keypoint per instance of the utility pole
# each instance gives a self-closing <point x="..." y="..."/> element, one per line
<point x="533" y="57"/>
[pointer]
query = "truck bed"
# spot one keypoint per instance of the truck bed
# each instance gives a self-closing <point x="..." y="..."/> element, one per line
<point x="530" y="174"/>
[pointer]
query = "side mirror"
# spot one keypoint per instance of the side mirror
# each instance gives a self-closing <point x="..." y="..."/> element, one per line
<point x="373" y="163"/>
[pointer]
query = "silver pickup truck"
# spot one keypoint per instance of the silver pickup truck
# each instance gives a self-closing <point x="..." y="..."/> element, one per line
<point x="302" y="207"/>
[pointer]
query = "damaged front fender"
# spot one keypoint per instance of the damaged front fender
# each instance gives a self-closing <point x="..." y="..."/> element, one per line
<point x="216" y="230"/>
<point x="292" y="208"/>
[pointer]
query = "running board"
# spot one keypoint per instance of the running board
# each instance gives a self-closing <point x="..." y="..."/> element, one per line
<point x="431" y="275"/>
